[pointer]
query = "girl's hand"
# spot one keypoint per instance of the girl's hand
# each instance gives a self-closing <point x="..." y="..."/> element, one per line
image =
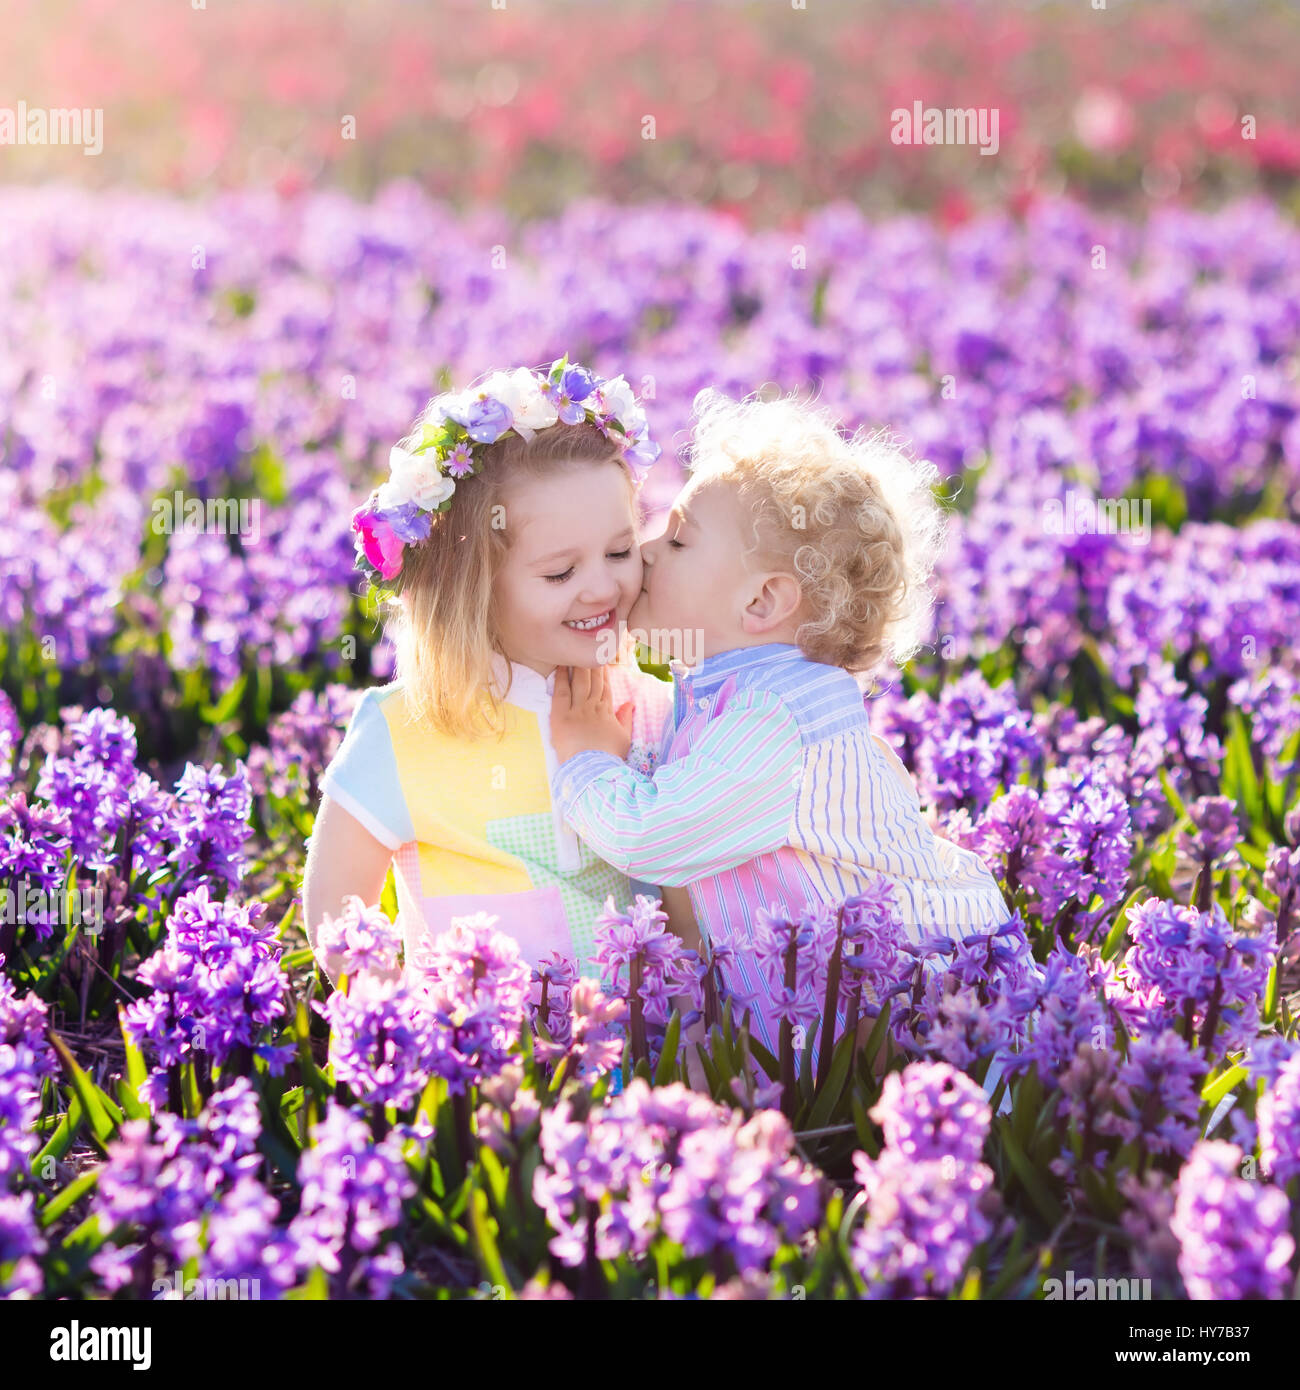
<point x="582" y="714"/>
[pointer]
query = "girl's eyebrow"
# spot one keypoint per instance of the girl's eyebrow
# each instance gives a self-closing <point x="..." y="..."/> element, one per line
<point x="560" y="554"/>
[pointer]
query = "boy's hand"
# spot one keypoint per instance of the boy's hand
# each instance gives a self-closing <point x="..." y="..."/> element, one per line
<point x="583" y="716"/>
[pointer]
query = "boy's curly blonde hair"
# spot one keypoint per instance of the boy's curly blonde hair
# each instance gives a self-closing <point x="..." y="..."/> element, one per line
<point x="854" y="518"/>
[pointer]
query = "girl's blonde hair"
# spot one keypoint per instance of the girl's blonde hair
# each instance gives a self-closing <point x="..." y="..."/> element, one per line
<point x="854" y="518"/>
<point x="442" y="620"/>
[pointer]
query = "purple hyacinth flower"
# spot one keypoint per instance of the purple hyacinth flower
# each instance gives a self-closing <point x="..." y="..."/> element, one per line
<point x="1233" y="1232"/>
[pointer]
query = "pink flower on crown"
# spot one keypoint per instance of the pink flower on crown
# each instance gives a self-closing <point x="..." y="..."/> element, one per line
<point x="382" y="545"/>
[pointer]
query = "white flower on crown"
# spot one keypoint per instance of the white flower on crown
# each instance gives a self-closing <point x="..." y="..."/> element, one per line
<point x="415" y="478"/>
<point x="521" y="393"/>
<point x="621" y="404"/>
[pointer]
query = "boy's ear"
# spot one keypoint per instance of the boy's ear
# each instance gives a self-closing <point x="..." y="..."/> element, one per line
<point x="777" y="599"/>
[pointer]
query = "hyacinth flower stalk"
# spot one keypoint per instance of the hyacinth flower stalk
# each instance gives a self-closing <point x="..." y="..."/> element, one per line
<point x="1282" y="878"/>
<point x="1214" y="819"/>
<point x="658" y="967"/>
<point x="711" y="987"/>
<point x="1204" y="974"/>
<point x="869" y="933"/>
<point x="475" y="986"/>
<point x="830" y="1006"/>
<point x="791" y="958"/>
<point x="788" y="952"/>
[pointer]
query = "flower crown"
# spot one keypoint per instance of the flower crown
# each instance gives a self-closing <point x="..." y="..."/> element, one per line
<point x="421" y="481"/>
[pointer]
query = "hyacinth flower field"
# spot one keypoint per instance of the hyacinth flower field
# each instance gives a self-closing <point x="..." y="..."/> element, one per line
<point x="196" y="392"/>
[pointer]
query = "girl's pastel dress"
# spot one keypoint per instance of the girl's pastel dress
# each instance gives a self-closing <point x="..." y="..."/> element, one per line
<point x="472" y="825"/>
<point x="772" y="790"/>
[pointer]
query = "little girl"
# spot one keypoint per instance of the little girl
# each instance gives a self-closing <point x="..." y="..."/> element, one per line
<point x="793" y="560"/>
<point x="507" y="531"/>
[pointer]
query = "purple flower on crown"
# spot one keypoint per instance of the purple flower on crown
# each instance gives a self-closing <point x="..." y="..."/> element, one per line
<point x="484" y="419"/>
<point x="461" y="460"/>
<point x="575" y="385"/>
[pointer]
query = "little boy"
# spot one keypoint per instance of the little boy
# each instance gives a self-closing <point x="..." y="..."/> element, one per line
<point x="793" y="561"/>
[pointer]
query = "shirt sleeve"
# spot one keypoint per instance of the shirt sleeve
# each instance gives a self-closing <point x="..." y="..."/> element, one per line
<point x="725" y="801"/>
<point x="362" y="776"/>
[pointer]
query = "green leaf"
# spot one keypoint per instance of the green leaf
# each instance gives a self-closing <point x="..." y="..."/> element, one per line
<point x="1270" y="995"/>
<point x="861" y="1123"/>
<point x="765" y="1059"/>
<point x="498" y="1179"/>
<point x="1239" y="779"/>
<point x="1255" y="857"/>
<point x="226" y="706"/>
<point x="133" y="1108"/>
<point x="806" y="1079"/>
<point x="1215" y="1090"/>
<point x="91" y="1097"/>
<point x="65" y="1132"/>
<point x="136" y="1071"/>
<point x="86" y="1238"/>
<point x="831" y="1092"/>
<point x="1171" y="795"/>
<point x="710" y="1071"/>
<point x="667" y="1068"/>
<point x="1030" y="1180"/>
<point x="315" y="1288"/>
<point x="721" y="1053"/>
<point x="69" y="1197"/>
<point x="877" y="1034"/>
<point x="483" y="1238"/>
<point x="1115" y="937"/>
<point x="1024" y="1110"/>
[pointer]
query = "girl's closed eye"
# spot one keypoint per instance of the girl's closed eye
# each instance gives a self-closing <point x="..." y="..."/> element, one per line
<point x="560" y="578"/>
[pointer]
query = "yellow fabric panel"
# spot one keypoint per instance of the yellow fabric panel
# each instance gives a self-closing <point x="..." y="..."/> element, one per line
<point x="445" y="874"/>
<point x="455" y="787"/>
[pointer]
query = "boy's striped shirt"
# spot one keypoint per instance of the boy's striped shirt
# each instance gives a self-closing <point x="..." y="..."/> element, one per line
<point x="771" y="791"/>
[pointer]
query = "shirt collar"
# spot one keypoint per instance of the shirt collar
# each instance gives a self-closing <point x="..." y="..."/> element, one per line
<point x="528" y="689"/>
<point x="713" y="670"/>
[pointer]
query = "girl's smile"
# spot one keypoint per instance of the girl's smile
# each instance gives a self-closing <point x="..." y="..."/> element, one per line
<point x="600" y="622"/>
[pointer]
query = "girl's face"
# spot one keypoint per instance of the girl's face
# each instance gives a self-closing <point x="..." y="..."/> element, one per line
<point x="573" y="561"/>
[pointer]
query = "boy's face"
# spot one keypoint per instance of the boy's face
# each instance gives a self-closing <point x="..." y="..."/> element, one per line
<point x="698" y="582"/>
<point x="573" y="556"/>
